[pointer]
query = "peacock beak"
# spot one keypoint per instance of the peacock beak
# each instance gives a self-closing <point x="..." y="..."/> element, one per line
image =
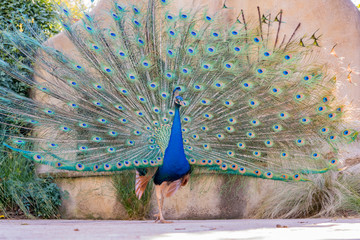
<point x="182" y="103"/>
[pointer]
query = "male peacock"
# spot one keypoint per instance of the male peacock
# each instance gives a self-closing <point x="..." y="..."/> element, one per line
<point x="251" y="103"/>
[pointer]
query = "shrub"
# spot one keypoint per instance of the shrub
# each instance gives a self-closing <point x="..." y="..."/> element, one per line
<point x="21" y="191"/>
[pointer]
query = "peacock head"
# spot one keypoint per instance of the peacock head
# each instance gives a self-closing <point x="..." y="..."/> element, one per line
<point x="178" y="100"/>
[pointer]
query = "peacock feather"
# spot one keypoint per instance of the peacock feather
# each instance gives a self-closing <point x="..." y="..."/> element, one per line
<point x="251" y="104"/>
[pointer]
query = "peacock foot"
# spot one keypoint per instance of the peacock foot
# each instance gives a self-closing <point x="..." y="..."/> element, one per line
<point x="165" y="221"/>
<point x="160" y="220"/>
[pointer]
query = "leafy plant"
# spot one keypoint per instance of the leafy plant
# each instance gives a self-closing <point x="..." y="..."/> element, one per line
<point x="12" y="13"/>
<point x="21" y="191"/>
<point x="76" y="7"/>
<point x="124" y="184"/>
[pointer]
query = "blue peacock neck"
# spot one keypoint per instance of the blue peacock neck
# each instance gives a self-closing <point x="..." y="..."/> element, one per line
<point x="175" y="164"/>
<point x="176" y="139"/>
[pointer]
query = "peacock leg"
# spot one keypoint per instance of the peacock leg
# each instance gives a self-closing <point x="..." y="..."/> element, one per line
<point x="160" y="200"/>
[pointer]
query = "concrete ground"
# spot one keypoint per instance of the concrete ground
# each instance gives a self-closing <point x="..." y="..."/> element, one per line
<point x="200" y="229"/>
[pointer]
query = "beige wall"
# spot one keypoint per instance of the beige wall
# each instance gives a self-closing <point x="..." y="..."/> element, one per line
<point x="90" y="198"/>
<point x="203" y="198"/>
<point x="337" y="21"/>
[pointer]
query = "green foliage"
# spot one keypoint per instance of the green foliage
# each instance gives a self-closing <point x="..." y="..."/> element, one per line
<point x="12" y="12"/>
<point x="76" y="7"/>
<point x="21" y="191"/>
<point x="124" y="184"/>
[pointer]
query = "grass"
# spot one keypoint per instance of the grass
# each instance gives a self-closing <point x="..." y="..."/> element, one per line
<point x="124" y="183"/>
<point x="328" y="195"/>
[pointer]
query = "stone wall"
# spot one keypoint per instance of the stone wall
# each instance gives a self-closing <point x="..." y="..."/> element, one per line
<point x="205" y="197"/>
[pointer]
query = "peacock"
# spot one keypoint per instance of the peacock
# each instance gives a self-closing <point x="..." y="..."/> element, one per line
<point x="161" y="92"/>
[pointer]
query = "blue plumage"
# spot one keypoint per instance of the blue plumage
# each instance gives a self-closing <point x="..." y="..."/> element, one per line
<point x="175" y="164"/>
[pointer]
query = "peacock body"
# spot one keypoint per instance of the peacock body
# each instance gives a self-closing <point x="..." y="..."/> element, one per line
<point x="159" y="91"/>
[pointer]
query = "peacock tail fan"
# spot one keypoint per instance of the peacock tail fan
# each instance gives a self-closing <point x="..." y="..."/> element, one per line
<point x="254" y="105"/>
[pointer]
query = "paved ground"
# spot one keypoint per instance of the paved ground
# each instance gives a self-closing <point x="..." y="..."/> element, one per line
<point x="202" y="229"/>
